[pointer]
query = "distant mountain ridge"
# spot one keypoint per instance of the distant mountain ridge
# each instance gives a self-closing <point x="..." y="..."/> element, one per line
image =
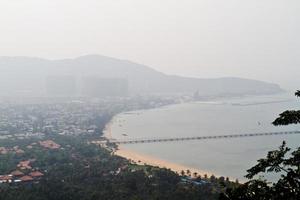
<point x="20" y="75"/>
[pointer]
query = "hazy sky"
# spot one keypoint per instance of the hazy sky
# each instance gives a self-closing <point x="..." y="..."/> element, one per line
<point x="203" y="38"/>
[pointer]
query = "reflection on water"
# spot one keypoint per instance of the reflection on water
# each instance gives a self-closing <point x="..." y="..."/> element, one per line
<point x="227" y="157"/>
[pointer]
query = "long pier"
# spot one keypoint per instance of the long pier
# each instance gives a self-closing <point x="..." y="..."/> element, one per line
<point x="177" y="139"/>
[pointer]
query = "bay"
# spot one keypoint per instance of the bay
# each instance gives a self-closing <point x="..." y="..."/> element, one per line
<point x="226" y="157"/>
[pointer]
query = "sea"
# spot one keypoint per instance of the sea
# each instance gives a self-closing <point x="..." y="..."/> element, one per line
<point x="223" y="157"/>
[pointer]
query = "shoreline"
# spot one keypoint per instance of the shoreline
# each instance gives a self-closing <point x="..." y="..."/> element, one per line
<point x="140" y="158"/>
<point x="107" y="133"/>
<point x="144" y="159"/>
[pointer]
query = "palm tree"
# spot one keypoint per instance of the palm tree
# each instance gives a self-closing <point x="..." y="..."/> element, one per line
<point x="188" y="172"/>
<point x="182" y="173"/>
<point x="195" y="174"/>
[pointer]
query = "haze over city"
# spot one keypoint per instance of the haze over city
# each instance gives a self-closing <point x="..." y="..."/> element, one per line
<point x="149" y="99"/>
<point x="208" y="39"/>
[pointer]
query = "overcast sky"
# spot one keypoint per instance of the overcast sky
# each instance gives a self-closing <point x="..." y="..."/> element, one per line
<point x="201" y="38"/>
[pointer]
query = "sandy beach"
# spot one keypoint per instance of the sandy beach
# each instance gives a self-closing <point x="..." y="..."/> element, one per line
<point x="143" y="159"/>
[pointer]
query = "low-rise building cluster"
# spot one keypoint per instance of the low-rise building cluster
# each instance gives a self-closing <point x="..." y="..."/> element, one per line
<point x="49" y="144"/>
<point x="18" y="176"/>
<point x="15" y="149"/>
<point x="24" y="172"/>
<point x="40" y="120"/>
<point x="21" y="121"/>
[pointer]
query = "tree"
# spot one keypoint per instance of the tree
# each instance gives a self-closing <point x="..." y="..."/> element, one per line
<point x="277" y="161"/>
<point x="289" y="116"/>
<point x="280" y="161"/>
<point x="182" y="173"/>
<point x="188" y="172"/>
<point x="195" y="174"/>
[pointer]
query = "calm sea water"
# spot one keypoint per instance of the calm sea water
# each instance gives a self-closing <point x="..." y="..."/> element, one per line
<point x="226" y="157"/>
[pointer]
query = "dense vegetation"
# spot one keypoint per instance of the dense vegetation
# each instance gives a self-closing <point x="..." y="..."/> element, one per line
<point x="86" y="172"/>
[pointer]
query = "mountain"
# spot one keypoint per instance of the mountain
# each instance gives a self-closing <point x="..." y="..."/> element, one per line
<point x="35" y="76"/>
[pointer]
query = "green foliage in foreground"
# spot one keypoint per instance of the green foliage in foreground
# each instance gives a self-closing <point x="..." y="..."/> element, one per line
<point x="289" y="116"/>
<point x="282" y="162"/>
<point x="277" y="161"/>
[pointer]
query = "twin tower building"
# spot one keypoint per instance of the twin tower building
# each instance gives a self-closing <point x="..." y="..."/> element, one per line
<point x="91" y="86"/>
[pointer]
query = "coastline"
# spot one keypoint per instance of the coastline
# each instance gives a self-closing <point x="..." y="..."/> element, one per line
<point x="140" y="158"/>
<point x="143" y="159"/>
<point x="107" y="133"/>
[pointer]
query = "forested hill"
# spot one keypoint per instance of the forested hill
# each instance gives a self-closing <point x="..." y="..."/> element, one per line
<point x="25" y="75"/>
